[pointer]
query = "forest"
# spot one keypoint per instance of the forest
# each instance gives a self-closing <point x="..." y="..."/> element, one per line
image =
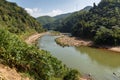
<point x="16" y="20"/>
<point x="100" y="23"/>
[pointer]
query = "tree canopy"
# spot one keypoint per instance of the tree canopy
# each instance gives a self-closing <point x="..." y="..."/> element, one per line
<point x="101" y="23"/>
<point x="16" y="19"/>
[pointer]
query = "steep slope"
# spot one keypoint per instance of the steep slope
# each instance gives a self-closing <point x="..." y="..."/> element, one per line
<point x="16" y="19"/>
<point x="87" y="8"/>
<point x="38" y="63"/>
<point x="65" y="24"/>
<point x="101" y="23"/>
<point x="28" y="59"/>
<point x="15" y="53"/>
<point x="7" y="73"/>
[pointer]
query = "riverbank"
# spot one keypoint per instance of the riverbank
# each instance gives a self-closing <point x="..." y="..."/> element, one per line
<point x="75" y="41"/>
<point x="31" y="39"/>
<point x="72" y="41"/>
<point x="116" y="49"/>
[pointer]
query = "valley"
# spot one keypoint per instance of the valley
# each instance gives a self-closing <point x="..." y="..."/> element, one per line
<point x="49" y="40"/>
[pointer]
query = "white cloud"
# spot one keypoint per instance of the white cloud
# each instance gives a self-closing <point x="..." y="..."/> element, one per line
<point x="36" y="12"/>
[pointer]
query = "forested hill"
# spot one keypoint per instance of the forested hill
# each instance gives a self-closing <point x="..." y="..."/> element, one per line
<point x="16" y="19"/>
<point x="47" y="20"/>
<point x="65" y="23"/>
<point x="101" y="23"/>
<point x="62" y="16"/>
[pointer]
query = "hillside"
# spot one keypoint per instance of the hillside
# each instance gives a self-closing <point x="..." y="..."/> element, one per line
<point x="62" y="16"/>
<point x="7" y="73"/>
<point x="100" y="24"/>
<point x="47" y="20"/>
<point x="65" y="24"/>
<point x="24" y="58"/>
<point x="16" y="19"/>
<point x="87" y="8"/>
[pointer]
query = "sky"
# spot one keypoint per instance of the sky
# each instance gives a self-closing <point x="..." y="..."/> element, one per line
<point x="38" y="8"/>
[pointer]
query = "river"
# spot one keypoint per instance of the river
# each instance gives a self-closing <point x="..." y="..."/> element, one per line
<point x="100" y="64"/>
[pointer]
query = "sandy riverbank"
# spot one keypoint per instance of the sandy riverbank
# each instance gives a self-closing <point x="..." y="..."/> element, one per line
<point x="74" y="41"/>
<point x="31" y="39"/>
<point x="116" y="49"/>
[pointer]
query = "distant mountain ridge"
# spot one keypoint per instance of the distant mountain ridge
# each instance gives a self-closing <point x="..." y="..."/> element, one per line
<point x="60" y="19"/>
<point x="47" y="19"/>
<point x="62" y="16"/>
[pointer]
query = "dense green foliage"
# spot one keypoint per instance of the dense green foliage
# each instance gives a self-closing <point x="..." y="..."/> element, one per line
<point x="65" y="24"/>
<point x="51" y="22"/>
<point x="101" y="23"/>
<point x="16" y="19"/>
<point x="72" y="75"/>
<point x="45" y="19"/>
<point x="38" y="63"/>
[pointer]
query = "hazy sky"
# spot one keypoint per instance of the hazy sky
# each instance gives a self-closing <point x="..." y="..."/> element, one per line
<point x="53" y="7"/>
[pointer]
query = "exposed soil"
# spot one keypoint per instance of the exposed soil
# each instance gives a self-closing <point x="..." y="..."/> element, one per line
<point x="7" y="73"/>
<point x="116" y="49"/>
<point x="31" y="39"/>
<point x="73" y="41"/>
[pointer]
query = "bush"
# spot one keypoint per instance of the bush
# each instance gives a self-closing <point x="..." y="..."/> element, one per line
<point x="72" y="75"/>
<point x="39" y="63"/>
